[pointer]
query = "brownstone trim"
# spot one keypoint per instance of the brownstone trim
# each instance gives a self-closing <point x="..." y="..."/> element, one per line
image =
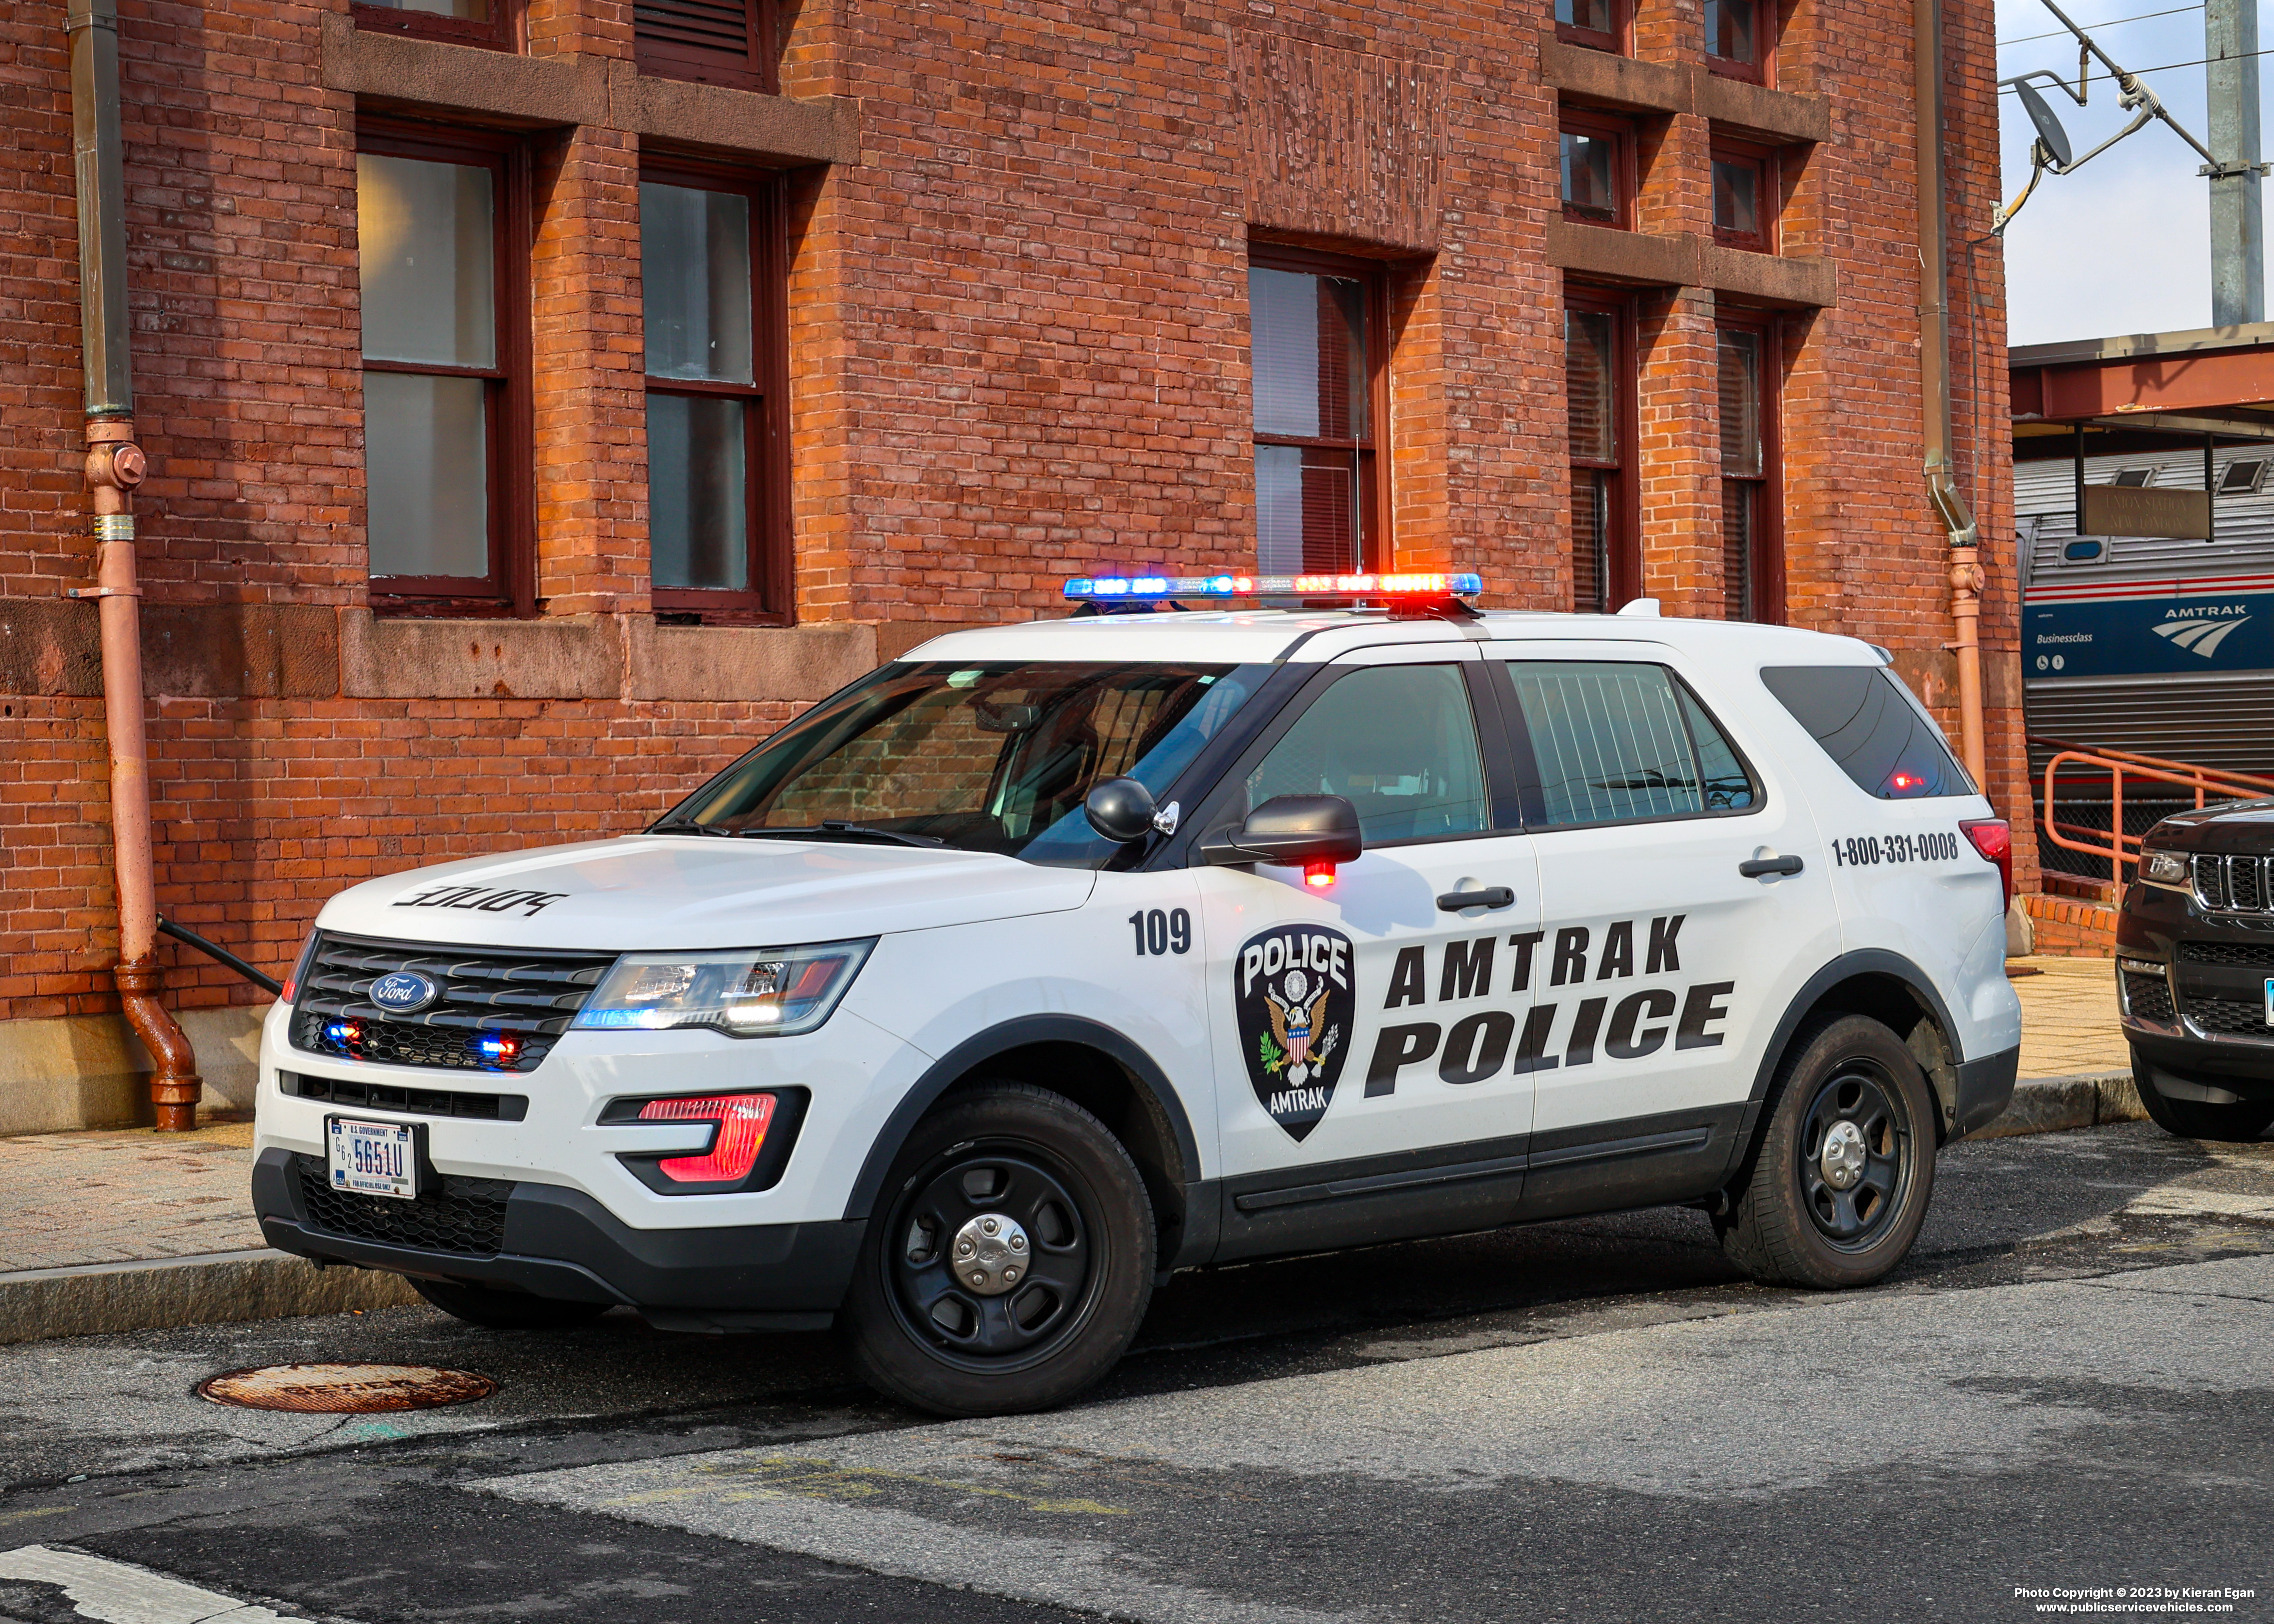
<point x="502" y="32"/>
<point x="509" y="586"/>
<point x="1687" y="259"/>
<point x="1792" y="115"/>
<point x="1377" y="542"/>
<point x="771" y="598"/>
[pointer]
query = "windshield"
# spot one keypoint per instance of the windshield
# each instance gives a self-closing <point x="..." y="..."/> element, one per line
<point x="983" y="758"/>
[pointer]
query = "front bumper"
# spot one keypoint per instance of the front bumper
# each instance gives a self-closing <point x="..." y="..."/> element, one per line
<point x="2197" y="1017"/>
<point x="555" y="1242"/>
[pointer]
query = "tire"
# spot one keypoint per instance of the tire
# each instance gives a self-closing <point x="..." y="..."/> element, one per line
<point x="2196" y="1119"/>
<point x="1027" y="1160"/>
<point x="505" y="1311"/>
<point x="1789" y="1222"/>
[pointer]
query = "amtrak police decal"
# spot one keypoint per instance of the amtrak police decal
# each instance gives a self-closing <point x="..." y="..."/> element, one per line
<point x="1293" y="991"/>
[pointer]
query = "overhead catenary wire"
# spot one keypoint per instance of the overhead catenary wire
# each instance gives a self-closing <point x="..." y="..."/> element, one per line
<point x="2113" y="22"/>
<point x="2163" y="67"/>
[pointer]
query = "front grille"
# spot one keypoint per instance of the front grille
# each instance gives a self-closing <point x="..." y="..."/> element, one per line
<point x="2228" y="953"/>
<point x="465" y="1217"/>
<point x="2233" y="884"/>
<point x="2238" y="1016"/>
<point x="2147" y="996"/>
<point x="525" y="999"/>
<point x="410" y="1101"/>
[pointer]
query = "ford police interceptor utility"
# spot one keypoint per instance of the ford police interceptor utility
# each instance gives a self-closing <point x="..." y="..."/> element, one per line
<point x="1053" y="958"/>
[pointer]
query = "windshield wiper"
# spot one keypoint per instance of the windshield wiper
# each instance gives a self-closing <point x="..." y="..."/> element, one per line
<point x="830" y="828"/>
<point x="682" y="826"/>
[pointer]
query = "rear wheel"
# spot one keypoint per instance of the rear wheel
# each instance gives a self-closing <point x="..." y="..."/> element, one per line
<point x="1839" y="1181"/>
<point x="2197" y="1119"/>
<point x="1010" y="1258"/>
<point x="505" y="1311"/>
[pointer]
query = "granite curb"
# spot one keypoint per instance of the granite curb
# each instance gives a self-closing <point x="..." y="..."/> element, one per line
<point x="2053" y="1104"/>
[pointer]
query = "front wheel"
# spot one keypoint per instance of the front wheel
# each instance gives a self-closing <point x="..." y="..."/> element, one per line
<point x="1009" y="1260"/>
<point x="2198" y="1119"/>
<point x="1839" y="1180"/>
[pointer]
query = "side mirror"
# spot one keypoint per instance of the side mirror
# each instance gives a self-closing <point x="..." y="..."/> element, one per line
<point x="1121" y="810"/>
<point x="1292" y="831"/>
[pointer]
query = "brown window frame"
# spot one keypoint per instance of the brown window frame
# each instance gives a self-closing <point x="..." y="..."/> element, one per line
<point x="502" y="32"/>
<point x="1766" y="563"/>
<point x="1622" y="548"/>
<point x="509" y="587"/>
<point x="1768" y="193"/>
<point x="1764" y="44"/>
<point x="1377" y="547"/>
<point x="1619" y="41"/>
<point x="674" y="59"/>
<point x="771" y="598"/>
<point x="1621" y="134"/>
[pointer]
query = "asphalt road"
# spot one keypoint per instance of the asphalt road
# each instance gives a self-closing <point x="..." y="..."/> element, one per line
<point x="2065" y="1389"/>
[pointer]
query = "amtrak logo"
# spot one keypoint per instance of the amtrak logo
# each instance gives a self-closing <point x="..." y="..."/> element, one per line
<point x="405" y="992"/>
<point x="2198" y="633"/>
<point x="1294" y="996"/>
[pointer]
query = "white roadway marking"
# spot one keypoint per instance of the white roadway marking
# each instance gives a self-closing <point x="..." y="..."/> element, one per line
<point x="121" y="1593"/>
<point x="2183" y="1201"/>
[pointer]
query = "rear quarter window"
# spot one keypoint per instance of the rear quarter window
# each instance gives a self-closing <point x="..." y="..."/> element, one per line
<point x="1871" y="727"/>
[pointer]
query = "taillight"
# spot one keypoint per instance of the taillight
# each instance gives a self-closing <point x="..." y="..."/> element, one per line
<point x="742" y="1119"/>
<point x="1994" y="839"/>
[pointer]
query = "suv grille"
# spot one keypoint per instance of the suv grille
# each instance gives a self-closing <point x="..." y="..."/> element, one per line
<point x="2233" y="884"/>
<point x="521" y="1000"/>
<point x="2147" y="996"/>
<point x="2232" y="1015"/>
<point x="462" y="1216"/>
<point x="2227" y="953"/>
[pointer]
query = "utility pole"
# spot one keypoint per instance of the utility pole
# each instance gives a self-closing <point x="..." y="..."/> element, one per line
<point x="2238" y="243"/>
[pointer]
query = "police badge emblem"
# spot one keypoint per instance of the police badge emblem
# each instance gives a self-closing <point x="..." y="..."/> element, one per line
<point x="1294" y="993"/>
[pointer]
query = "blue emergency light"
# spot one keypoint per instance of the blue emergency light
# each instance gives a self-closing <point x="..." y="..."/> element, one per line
<point x="1126" y="589"/>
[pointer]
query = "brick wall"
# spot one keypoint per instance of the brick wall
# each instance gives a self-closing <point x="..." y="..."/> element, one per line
<point x="1018" y="324"/>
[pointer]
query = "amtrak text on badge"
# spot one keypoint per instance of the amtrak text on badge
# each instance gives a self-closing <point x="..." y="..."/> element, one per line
<point x="1294" y="993"/>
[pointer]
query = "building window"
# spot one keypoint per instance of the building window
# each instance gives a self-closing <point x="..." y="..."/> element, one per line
<point x="1745" y="196"/>
<point x="442" y="228"/>
<point x="1741" y="38"/>
<point x="1319" y="337"/>
<point x="712" y="275"/>
<point x="1598" y="168"/>
<point x="1600" y="24"/>
<point x="1599" y="391"/>
<point x="460" y="22"/>
<point x="711" y="42"/>
<point x="1753" y="558"/>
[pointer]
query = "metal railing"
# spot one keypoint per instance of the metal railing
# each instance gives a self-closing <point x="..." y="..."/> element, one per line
<point x="2112" y="768"/>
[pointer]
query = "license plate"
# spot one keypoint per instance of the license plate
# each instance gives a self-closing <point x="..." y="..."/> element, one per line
<point x="374" y="1158"/>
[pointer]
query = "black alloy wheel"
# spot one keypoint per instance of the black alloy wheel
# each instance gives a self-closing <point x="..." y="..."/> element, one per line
<point x="1838" y="1183"/>
<point x="1009" y="1261"/>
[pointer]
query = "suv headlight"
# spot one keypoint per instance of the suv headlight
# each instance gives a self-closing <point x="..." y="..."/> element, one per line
<point x="748" y="993"/>
<point x="2165" y="869"/>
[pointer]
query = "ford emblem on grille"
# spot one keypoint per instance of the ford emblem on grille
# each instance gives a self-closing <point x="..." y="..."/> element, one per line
<point x="403" y="992"/>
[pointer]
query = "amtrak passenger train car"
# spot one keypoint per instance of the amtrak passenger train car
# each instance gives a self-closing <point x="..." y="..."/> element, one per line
<point x="2161" y="647"/>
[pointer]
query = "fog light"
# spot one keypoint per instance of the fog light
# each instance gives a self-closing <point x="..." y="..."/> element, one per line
<point x="741" y="1119"/>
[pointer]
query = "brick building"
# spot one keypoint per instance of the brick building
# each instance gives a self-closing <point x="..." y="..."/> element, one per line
<point x="547" y="397"/>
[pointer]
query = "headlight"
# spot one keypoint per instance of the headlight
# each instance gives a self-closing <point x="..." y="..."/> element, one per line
<point x="749" y="993"/>
<point x="2165" y="867"/>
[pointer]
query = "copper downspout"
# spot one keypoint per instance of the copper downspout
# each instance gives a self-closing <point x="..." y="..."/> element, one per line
<point x="115" y="466"/>
<point x="1967" y="576"/>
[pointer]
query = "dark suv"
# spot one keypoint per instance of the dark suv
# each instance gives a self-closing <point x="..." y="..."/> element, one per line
<point x="2194" y="950"/>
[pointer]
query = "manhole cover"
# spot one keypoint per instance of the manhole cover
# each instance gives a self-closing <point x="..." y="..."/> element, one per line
<point x="344" y="1389"/>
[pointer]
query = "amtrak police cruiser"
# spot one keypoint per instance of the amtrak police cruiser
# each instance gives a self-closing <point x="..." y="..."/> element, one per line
<point x="1052" y="959"/>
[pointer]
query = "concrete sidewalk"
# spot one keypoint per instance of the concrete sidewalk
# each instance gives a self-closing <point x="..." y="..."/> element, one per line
<point x="124" y="1230"/>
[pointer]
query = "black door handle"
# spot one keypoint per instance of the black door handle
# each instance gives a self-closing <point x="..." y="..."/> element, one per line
<point x="1490" y="897"/>
<point x="1753" y="867"/>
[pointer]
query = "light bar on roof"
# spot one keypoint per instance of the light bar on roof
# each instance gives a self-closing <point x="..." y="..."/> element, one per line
<point x="1109" y="589"/>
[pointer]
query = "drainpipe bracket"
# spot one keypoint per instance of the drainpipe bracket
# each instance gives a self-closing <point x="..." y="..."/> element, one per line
<point x="104" y="591"/>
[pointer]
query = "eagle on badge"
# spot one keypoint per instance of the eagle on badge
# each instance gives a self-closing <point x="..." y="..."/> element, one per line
<point x="1293" y="1023"/>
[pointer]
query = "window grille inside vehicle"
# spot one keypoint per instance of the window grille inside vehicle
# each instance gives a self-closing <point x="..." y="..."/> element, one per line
<point x="493" y="1010"/>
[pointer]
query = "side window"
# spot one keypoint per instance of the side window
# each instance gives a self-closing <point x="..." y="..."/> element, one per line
<point x="1400" y="741"/>
<point x="1616" y="742"/>
<point x="1868" y="724"/>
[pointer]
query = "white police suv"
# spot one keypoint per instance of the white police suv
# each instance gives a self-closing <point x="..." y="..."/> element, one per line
<point x="1050" y="959"/>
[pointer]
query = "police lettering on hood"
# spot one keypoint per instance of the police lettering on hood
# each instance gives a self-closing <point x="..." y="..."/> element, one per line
<point x="1294" y="993"/>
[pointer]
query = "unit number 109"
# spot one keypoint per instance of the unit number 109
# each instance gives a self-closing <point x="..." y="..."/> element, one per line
<point x="1159" y="932"/>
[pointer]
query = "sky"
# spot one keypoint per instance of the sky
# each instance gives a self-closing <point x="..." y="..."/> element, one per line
<point x="2122" y="246"/>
